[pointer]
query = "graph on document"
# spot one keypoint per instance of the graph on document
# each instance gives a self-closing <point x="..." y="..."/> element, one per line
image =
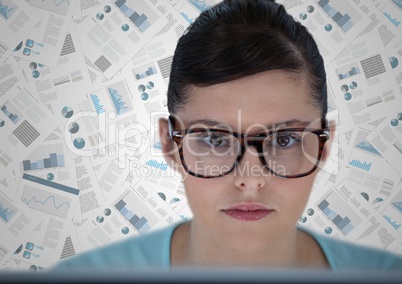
<point x="348" y="71"/>
<point x="361" y="165"/>
<point x="361" y="144"/>
<point x="340" y="214"/>
<point x="346" y="18"/>
<point x="56" y="6"/>
<point x="45" y="157"/>
<point x="366" y="146"/>
<point x="7" y="8"/>
<point x="202" y="5"/>
<point x="397" y="202"/>
<point x="143" y="71"/>
<point x="7" y="209"/>
<point x="97" y="105"/>
<point x="136" y="212"/>
<point x="138" y="12"/>
<point x="46" y="202"/>
<point x="11" y="112"/>
<point x="120" y="98"/>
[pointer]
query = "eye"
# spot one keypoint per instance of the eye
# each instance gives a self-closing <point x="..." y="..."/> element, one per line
<point x="284" y="140"/>
<point x="217" y="140"/>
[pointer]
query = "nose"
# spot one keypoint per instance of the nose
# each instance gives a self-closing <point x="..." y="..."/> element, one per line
<point x="249" y="174"/>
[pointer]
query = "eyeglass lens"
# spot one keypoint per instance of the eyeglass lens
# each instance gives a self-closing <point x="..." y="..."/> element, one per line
<point x="215" y="153"/>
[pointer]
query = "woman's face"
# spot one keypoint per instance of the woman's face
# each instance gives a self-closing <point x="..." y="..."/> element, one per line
<point x="220" y="204"/>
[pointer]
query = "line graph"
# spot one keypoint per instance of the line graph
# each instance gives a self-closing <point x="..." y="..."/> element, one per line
<point x="46" y="202"/>
<point x="56" y="6"/>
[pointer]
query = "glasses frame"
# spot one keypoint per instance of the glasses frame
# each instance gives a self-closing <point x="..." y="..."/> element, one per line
<point x="257" y="142"/>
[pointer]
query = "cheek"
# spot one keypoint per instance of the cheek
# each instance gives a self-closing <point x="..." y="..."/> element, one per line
<point x="295" y="194"/>
<point x="203" y="195"/>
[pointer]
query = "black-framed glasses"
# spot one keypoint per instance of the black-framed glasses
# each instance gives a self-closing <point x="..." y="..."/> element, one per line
<point x="212" y="153"/>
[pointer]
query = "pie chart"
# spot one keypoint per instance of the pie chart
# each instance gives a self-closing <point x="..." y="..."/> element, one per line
<point x="348" y="96"/>
<point x="107" y="9"/>
<point x="353" y="85"/>
<point x="394" y="62"/>
<point x="107" y="211"/>
<point x="328" y="230"/>
<point x="365" y="195"/>
<point x="150" y="85"/>
<point x="67" y="112"/>
<point x="125" y="27"/>
<point x="50" y="176"/>
<point x="2" y="123"/>
<point x="141" y="88"/>
<point x="174" y="200"/>
<point x="303" y="16"/>
<point x="19" y="249"/>
<point x="33" y="65"/>
<point x="35" y="74"/>
<point x="345" y="88"/>
<point x="125" y="230"/>
<point x="144" y="96"/>
<point x="100" y="219"/>
<point x="73" y="127"/>
<point x="377" y="200"/>
<point x="79" y="143"/>
<point x="162" y="195"/>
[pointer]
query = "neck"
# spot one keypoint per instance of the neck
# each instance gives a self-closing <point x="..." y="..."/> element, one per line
<point x="193" y="246"/>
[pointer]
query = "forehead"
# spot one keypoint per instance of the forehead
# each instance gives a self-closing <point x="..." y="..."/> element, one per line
<point x="264" y="98"/>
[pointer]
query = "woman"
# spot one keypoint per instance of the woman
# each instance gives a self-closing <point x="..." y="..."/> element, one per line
<point x="247" y="131"/>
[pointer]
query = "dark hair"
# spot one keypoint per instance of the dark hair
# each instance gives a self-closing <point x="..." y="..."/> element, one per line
<point x="239" y="38"/>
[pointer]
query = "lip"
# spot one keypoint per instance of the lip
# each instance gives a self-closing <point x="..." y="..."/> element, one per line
<point x="247" y="211"/>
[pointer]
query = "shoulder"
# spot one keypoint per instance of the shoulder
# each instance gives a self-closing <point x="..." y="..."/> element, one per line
<point x="146" y="251"/>
<point x="343" y="255"/>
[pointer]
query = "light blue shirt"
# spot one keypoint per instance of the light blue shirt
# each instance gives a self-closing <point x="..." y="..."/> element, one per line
<point x="153" y="251"/>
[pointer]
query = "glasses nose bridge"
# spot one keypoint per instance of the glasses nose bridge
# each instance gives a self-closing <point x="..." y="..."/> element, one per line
<point x="256" y="142"/>
<point x="247" y="142"/>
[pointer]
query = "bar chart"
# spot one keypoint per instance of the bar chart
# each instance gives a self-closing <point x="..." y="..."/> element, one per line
<point x="348" y="71"/>
<point x="138" y="13"/>
<point x="45" y="157"/>
<point x="361" y="165"/>
<point x="96" y="102"/>
<point x="7" y="209"/>
<point x="393" y="20"/>
<point x="344" y="218"/>
<point x="345" y="21"/>
<point x="158" y="165"/>
<point x="120" y="98"/>
<point x="7" y="8"/>
<point x="201" y="5"/>
<point x="144" y="71"/>
<point x="118" y="102"/>
<point x="136" y="212"/>
<point x="11" y="112"/>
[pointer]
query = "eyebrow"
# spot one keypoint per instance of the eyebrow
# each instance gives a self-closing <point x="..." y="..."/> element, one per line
<point x="287" y="123"/>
